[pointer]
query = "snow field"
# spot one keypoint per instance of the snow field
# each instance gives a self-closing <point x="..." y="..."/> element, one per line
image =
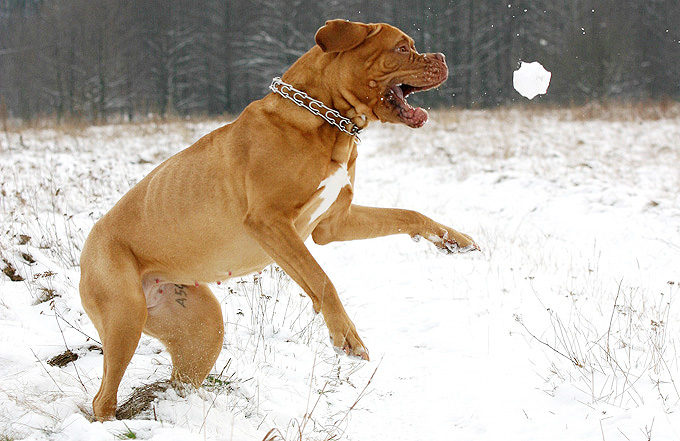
<point x="564" y="327"/>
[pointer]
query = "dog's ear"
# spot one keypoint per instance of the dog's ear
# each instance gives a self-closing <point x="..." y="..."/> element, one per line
<point x="342" y="35"/>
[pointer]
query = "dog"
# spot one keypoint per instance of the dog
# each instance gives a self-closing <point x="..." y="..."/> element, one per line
<point x="249" y="194"/>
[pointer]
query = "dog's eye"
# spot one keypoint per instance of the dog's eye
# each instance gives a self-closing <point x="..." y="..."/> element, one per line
<point x="402" y="49"/>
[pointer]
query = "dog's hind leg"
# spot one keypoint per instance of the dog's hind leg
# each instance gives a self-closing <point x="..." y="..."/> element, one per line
<point x="188" y="320"/>
<point x="111" y="293"/>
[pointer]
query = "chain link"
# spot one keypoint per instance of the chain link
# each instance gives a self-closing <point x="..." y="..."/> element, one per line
<point x="332" y="116"/>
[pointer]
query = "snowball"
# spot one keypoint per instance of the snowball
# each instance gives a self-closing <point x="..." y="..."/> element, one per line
<point x="531" y="79"/>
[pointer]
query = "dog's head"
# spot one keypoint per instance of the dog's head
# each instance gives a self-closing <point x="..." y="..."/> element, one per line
<point x="376" y="67"/>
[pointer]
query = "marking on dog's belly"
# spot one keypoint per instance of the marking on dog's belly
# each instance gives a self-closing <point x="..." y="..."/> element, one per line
<point x="181" y="295"/>
<point x="331" y="190"/>
<point x="159" y="291"/>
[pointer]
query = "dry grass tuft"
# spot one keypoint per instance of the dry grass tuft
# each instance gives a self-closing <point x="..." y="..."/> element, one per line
<point x="63" y="359"/>
<point x="274" y="435"/>
<point x="46" y="295"/>
<point x="140" y="400"/>
<point x="11" y="272"/>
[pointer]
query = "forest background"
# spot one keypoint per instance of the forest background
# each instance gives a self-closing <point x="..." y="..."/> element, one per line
<point x="103" y="60"/>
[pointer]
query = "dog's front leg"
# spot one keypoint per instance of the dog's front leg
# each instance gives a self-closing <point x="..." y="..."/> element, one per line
<point x="279" y="238"/>
<point x="360" y="222"/>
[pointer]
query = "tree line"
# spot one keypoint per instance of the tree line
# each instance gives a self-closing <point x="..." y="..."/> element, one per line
<point x="104" y="59"/>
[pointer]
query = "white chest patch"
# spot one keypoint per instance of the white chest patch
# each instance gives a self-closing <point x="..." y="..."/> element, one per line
<point x="331" y="189"/>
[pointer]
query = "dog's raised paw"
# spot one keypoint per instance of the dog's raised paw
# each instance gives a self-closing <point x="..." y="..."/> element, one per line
<point x="451" y="244"/>
<point x="472" y="247"/>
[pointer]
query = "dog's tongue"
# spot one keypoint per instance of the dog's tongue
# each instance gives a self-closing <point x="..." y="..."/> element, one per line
<point x="415" y="117"/>
<point x="398" y="92"/>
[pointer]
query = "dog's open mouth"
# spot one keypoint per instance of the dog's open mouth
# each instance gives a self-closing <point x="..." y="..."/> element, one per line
<point x="411" y="116"/>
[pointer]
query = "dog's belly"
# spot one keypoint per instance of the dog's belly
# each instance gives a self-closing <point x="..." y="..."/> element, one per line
<point x="210" y="261"/>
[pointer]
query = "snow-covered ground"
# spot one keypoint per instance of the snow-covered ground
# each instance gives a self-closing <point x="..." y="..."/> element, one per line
<point x="565" y="327"/>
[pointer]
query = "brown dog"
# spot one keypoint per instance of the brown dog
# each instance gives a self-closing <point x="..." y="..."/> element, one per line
<point x="249" y="194"/>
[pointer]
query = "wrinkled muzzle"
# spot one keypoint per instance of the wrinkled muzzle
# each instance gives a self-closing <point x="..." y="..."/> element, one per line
<point x="431" y="72"/>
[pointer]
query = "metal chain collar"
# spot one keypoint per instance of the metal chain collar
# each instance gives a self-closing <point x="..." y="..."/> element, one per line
<point x="332" y="116"/>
